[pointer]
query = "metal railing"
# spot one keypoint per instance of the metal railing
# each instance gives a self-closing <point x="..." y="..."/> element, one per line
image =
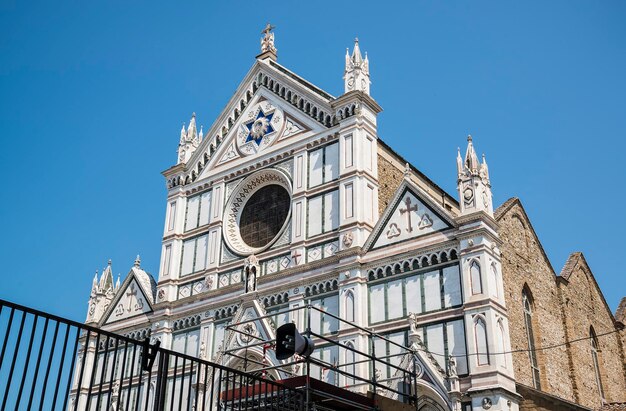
<point x="51" y="363"/>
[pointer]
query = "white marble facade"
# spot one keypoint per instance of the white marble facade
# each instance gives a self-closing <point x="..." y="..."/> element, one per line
<point x="425" y="271"/>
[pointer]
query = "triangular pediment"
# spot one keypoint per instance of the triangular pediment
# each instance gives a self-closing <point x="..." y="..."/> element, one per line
<point x="134" y="298"/>
<point x="410" y="214"/>
<point x="298" y="108"/>
<point x="247" y="328"/>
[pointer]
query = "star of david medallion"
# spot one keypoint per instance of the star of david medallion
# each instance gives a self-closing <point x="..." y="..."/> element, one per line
<point x="264" y="125"/>
<point x="259" y="127"/>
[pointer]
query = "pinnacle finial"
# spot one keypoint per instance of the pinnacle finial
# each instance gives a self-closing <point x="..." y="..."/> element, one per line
<point x="268" y="28"/>
<point x="356" y="53"/>
<point x="138" y="261"/>
<point x="109" y="262"/>
<point x="471" y="159"/>
<point x="356" y="74"/>
<point x="267" y="41"/>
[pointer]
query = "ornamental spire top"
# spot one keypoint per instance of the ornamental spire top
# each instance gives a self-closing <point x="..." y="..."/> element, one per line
<point x="189" y="140"/>
<point x="471" y="159"/>
<point x="268" y="50"/>
<point x="473" y="181"/>
<point x="356" y="53"/>
<point x="357" y="72"/>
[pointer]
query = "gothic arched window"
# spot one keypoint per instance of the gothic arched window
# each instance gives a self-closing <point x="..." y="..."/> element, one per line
<point x="501" y="343"/>
<point x="494" y="281"/>
<point x="596" y="362"/>
<point x="350" y="306"/>
<point x="350" y="364"/>
<point x="475" y="278"/>
<point x="480" y="335"/>
<point x="528" y="323"/>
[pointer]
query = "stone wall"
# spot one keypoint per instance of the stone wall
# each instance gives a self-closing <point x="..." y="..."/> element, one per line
<point x="538" y="401"/>
<point x="389" y="178"/>
<point x="525" y="265"/>
<point x="562" y="310"/>
<point x="584" y="307"/>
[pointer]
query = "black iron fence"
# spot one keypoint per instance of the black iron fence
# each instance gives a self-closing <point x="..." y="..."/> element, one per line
<point x="51" y="363"/>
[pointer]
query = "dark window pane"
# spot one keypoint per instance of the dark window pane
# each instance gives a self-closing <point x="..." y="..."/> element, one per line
<point x="264" y="215"/>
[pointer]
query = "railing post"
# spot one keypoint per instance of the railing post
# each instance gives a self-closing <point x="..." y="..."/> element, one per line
<point x="374" y="379"/>
<point x="415" y="381"/>
<point x="308" y="360"/>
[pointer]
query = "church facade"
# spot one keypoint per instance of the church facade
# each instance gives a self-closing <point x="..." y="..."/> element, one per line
<point x="290" y="199"/>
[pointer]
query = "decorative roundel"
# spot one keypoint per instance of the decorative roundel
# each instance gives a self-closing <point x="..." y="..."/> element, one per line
<point x="257" y="212"/>
<point x="262" y="124"/>
<point x="249" y="331"/>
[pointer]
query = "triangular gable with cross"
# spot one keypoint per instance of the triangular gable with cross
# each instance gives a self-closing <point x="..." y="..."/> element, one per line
<point x="133" y="298"/>
<point x="410" y="215"/>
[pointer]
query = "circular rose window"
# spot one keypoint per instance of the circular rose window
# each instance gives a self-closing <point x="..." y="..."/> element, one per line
<point x="264" y="215"/>
<point x="257" y="211"/>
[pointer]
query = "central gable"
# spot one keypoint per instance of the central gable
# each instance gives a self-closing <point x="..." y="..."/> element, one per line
<point x="409" y="216"/>
<point x="307" y="109"/>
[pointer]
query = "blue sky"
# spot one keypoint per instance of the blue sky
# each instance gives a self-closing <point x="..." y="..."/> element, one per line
<point x="93" y="94"/>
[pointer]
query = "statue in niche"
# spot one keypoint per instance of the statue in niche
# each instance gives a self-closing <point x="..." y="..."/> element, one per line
<point x="452" y="367"/>
<point x="413" y="322"/>
<point x="251" y="269"/>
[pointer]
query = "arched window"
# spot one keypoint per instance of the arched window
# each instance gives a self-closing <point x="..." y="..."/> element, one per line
<point x="596" y="362"/>
<point x="477" y="286"/>
<point x="350" y="364"/>
<point x="480" y="336"/>
<point x="501" y="343"/>
<point x="530" y="336"/>
<point x="350" y="306"/>
<point x="494" y="281"/>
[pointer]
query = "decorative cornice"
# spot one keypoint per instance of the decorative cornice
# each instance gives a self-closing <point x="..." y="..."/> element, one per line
<point x="345" y="101"/>
<point x="432" y="259"/>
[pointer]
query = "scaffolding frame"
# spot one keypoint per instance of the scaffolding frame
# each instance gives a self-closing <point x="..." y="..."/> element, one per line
<point x="406" y="378"/>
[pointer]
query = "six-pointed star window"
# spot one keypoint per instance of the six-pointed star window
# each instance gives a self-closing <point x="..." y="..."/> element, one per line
<point x="259" y="127"/>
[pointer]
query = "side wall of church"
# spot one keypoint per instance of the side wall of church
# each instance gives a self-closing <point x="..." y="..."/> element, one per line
<point x="523" y="264"/>
<point x="584" y="308"/>
<point x="561" y="311"/>
<point x="537" y="401"/>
